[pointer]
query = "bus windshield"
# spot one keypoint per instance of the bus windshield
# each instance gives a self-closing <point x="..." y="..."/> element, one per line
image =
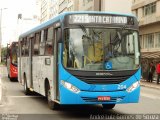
<point x="93" y="49"/>
<point x="14" y="50"/>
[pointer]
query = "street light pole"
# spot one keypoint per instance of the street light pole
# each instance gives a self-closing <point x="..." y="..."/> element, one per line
<point x="1" y="9"/>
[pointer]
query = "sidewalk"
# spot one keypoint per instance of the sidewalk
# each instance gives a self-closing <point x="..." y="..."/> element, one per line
<point x="1" y="74"/>
<point x="148" y="84"/>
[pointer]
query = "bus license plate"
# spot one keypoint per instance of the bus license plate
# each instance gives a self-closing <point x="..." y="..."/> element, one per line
<point x="104" y="98"/>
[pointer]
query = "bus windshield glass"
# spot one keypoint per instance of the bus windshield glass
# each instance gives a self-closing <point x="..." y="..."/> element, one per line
<point x="14" y="50"/>
<point x="93" y="49"/>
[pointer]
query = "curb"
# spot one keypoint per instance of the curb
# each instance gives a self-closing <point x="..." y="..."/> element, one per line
<point x="150" y="86"/>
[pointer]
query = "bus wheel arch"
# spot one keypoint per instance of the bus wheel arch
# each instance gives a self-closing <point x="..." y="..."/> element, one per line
<point x="52" y="105"/>
<point x="46" y="85"/>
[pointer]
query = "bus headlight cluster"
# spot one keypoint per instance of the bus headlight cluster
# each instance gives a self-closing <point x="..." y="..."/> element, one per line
<point x="70" y="87"/>
<point x="133" y="86"/>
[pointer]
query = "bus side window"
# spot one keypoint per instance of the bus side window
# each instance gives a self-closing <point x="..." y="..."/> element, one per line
<point x="49" y="42"/>
<point x="23" y="47"/>
<point x="26" y="44"/>
<point x="18" y="52"/>
<point x="42" y="42"/>
<point x="36" y="43"/>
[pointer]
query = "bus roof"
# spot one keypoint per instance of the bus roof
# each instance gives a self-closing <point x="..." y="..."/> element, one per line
<point x="61" y="16"/>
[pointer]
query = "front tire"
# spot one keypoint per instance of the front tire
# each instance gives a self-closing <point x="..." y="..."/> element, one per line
<point x="108" y="106"/>
<point x="52" y="105"/>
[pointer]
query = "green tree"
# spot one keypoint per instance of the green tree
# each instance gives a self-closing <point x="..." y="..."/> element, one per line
<point x="3" y="54"/>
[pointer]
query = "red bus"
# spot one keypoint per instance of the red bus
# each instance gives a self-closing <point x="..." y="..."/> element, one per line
<point x="12" y="51"/>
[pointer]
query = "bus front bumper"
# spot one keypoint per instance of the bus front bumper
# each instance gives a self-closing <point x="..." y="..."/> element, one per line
<point x="90" y="97"/>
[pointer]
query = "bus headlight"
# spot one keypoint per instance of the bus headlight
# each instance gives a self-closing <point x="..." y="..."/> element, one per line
<point x="70" y="87"/>
<point x="133" y="86"/>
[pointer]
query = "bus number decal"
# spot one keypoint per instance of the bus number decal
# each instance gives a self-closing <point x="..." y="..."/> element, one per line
<point x="121" y="87"/>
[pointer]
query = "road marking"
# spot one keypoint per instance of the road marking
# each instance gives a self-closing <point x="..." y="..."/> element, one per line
<point x="149" y="96"/>
<point x="24" y="96"/>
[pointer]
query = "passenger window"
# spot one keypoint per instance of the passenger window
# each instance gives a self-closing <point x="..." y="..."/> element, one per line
<point x="23" y="48"/>
<point x="48" y="48"/>
<point x="42" y="43"/>
<point x="49" y="42"/>
<point x="36" y="44"/>
<point x="26" y="42"/>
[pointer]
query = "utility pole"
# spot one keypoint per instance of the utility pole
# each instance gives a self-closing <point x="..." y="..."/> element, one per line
<point x="1" y="9"/>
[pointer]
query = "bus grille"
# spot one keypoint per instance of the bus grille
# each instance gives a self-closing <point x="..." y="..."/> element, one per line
<point x="103" y="80"/>
<point x="113" y="99"/>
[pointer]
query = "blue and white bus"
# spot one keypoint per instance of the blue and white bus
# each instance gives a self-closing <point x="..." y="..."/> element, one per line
<point x="82" y="58"/>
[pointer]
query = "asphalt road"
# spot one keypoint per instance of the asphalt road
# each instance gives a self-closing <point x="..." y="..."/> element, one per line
<point x="16" y="104"/>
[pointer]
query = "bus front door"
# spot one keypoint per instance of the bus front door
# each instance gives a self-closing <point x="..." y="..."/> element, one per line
<point x="56" y="64"/>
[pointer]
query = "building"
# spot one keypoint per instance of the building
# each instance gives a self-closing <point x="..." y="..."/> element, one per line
<point x="148" y="14"/>
<point x="120" y="6"/>
<point x="54" y="8"/>
<point x="68" y="5"/>
<point x="90" y="5"/>
<point x="48" y="9"/>
<point x="51" y="8"/>
<point x="44" y="10"/>
<point x="24" y="24"/>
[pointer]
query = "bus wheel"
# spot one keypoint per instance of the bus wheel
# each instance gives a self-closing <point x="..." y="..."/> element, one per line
<point x="26" y="89"/>
<point x="108" y="106"/>
<point x="52" y="105"/>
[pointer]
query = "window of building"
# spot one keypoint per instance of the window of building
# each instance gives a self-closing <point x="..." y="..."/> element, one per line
<point x="149" y="9"/>
<point x="149" y="41"/>
<point x="157" y="40"/>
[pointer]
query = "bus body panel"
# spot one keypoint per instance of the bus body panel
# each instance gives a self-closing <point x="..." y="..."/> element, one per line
<point x="13" y="71"/>
<point x="95" y="90"/>
<point x="36" y="73"/>
<point x="19" y="70"/>
<point x="98" y="87"/>
<point x="25" y="70"/>
<point x="68" y="97"/>
<point x="39" y="76"/>
<point x="12" y="56"/>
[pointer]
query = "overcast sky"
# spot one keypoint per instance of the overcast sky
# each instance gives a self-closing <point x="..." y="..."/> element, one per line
<point x="9" y="16"/>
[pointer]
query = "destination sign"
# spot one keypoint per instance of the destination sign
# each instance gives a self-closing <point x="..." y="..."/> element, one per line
<point x="98" y="19"/>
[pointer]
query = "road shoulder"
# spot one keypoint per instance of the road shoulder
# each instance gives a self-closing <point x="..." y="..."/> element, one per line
<point x="150" y="85"/>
